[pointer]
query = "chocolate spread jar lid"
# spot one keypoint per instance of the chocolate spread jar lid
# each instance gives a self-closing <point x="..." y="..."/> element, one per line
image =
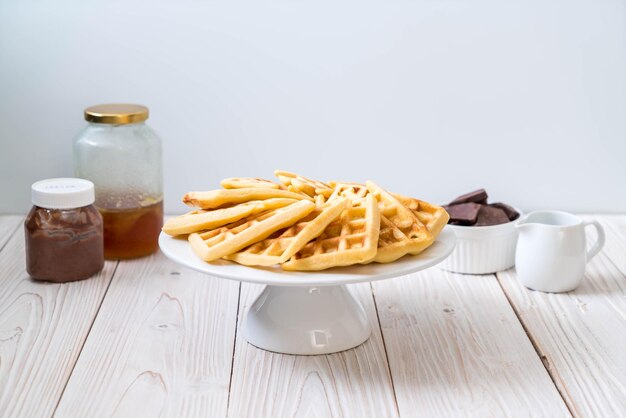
<point x="63" y="193"/>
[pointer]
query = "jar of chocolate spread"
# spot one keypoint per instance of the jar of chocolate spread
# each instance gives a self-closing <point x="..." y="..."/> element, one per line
<point x="64" y="240"/>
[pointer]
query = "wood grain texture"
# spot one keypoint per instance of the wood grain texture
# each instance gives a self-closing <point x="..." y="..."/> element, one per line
<point x="581" y="335"/>
<point x="42" y="329"/>
<point x="456" y="348"/>
<point x="162" y="345"/>
<point x="8" y="226"/>
<point x="353" y="383"/>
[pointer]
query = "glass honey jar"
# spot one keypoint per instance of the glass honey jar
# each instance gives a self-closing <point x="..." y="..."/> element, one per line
<point x="122" y="156"/>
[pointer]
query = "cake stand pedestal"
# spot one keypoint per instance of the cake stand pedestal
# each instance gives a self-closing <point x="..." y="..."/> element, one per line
<point x="307" y="312"/>
<point x="306" y="320"/>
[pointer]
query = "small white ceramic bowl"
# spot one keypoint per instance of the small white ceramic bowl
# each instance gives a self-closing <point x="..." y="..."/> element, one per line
<point x="483" y="249"/>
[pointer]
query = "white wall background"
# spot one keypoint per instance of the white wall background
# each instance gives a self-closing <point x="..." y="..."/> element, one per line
<point x="427" y="97"/>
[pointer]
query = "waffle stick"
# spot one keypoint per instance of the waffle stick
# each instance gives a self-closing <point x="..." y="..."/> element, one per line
<point x="231" y="238"/>
<point x="392" y="238"/>
<point x="353" y="191"/>
<point x="298" y="183"/>
<point x="280" y="246"/>
<point x="250" y="182"/>
<point x="217" y="198"/>
<point x="351" y="239"/>
<point x="433" y="216"/>
<point x="401" y="232"/>
<point x="199" y="220"/>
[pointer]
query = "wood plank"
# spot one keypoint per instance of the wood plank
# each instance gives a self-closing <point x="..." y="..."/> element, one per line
<point x="8" y="226"/>
<point x="582" y="334"/>
<point x="455" y="347"/>
<point x="353" y="383"/>
<point x="43" y="327"/>
<point x="162" y="345"/>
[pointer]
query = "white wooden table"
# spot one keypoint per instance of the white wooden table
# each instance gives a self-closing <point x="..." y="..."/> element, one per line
<point x="149" y="338"/>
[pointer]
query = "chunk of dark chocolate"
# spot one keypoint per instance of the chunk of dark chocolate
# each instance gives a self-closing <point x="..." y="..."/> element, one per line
<point x="511" y="213"/>
<point x="477" y="196"/>
<point x="488" y="215"/>
<point x="464" y="214"/>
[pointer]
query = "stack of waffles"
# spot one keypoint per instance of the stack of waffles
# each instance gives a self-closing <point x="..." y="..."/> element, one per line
<point x="304" y="224"/>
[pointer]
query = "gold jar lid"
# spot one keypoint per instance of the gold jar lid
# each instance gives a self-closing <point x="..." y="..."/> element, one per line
<point x="116" y="113"/>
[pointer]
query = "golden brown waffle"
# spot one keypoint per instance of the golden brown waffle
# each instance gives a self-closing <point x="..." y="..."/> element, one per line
<point x="343" y="184"/>
<point x="306" y="224"/>
<point x="319" y="200"/>
<point x="280" y="246"/>
<point x="199" y="220"/>
<point x="351" y="239"/>
<point x="433" y="216"/>
<point x="401" y="232"/>
<point x="353" y="191"/>
<point x="302" y="184"/>
<point x="231" y="238"/>
<point x="217" y="198"/>
<point x="250" y="182"/>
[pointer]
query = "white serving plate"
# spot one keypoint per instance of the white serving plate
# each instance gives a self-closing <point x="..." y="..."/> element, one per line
<point x="179" y="250"/>
<point x="307" y="312"/>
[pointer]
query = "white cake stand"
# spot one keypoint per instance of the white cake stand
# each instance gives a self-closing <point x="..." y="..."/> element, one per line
<point x="307" y="312"/>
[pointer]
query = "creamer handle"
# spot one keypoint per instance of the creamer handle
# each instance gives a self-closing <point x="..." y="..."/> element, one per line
<point x="597" y="246"/>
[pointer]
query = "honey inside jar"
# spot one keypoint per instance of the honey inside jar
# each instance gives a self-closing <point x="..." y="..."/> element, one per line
<point x="132" y="232"/>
